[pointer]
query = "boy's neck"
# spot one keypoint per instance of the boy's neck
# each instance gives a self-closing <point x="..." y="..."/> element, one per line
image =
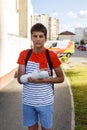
<point x="38" y="50"/>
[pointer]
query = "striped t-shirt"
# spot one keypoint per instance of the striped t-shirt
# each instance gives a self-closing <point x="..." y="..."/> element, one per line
<point x="38" y="94"/>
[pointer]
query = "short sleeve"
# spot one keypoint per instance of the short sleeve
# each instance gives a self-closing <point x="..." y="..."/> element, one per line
<point x="22" y="57"/>
<point x="55" y="59"/>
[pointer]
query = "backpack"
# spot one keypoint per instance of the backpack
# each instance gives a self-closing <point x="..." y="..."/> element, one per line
<point x="48" y="59"/>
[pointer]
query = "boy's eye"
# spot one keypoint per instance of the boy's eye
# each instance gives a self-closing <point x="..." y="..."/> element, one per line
<point x="40" y="36"/>
<point x="35" y="36"/>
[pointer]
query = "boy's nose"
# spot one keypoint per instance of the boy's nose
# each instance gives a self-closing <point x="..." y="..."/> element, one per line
<point x="38" y="38"/>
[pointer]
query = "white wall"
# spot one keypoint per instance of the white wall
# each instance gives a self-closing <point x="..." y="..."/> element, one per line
<point x="10" y="43"/>
<point x="13" y="17"/>
<point x="11" y="52"/>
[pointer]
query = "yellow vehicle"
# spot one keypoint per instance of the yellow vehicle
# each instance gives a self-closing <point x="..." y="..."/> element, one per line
<point x="61" y="47"/>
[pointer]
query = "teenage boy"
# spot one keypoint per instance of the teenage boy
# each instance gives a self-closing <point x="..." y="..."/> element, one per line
<point x="38" y="97"/>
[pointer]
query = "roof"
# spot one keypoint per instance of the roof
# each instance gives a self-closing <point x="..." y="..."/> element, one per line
<point x="67" y="33"/>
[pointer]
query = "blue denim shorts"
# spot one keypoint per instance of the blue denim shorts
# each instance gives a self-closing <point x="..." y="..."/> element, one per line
<point x="33" y="114"/>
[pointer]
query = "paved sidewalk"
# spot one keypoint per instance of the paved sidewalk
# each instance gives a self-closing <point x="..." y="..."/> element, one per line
<point x="11" y="107"/>
<point x="64" y="107"/>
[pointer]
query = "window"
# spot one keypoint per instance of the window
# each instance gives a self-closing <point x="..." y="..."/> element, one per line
<point x="54" y="44"/>
<point x="17" y="5"/>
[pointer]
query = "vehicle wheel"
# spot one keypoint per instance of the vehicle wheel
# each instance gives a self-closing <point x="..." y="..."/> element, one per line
<point x="68" y="54"/>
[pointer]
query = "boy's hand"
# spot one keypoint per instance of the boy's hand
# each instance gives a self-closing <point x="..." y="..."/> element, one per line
<point x="36" y="80"/>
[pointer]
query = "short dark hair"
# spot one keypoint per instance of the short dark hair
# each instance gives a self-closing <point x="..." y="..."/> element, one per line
<point x="39" y="27"/>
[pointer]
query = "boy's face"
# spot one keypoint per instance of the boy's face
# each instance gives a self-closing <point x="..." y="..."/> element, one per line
<point x="38" y="39"/>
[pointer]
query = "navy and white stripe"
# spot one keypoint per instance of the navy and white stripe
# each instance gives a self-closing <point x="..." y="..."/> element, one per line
<point x="37" y="94"/>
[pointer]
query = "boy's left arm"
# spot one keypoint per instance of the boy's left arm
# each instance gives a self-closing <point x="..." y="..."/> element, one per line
<point x="59" y="78"/>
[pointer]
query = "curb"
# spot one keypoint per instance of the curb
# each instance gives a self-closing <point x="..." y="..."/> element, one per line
<point x="72" y="106"/>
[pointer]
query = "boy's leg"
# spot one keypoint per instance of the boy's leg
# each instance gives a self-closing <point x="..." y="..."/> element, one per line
<point x="34" y="127"/>
<point x="30" y="117"/>
<point x="46" y="117"/>
<point x="45" y="129"/>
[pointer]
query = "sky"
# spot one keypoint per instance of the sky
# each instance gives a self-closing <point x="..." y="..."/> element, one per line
<point x="71" y="13"/>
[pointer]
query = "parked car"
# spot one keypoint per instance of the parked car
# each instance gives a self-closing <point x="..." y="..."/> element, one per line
<point x="82" y="47"/>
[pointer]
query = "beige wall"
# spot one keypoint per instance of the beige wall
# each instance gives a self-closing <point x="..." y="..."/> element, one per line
<point x="23" y="18"/>
<point x="25" y="12"/>
<point x="70" y="37"/>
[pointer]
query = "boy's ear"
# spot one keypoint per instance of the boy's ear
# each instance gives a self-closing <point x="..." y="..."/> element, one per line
<point x="31" y="37"/>
<point x="46" y="39"/>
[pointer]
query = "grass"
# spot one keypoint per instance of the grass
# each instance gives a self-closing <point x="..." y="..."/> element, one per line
<point x="77" y="76"/>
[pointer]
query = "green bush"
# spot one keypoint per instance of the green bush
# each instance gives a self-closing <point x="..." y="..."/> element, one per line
<point x="64" y="59"/>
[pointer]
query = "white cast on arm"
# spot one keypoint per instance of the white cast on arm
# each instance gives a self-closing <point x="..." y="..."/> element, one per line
<point x="36" y="74"/>
<point x="24" y="78"/>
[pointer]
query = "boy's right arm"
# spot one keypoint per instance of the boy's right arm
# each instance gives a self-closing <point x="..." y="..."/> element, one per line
<point x="21" y="71"/>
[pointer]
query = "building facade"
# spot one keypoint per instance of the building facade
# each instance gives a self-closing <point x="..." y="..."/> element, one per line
<point x="15" y="24"/>
<point x="79" y="34"/>
<point x="85" y="35"/>
<point x="67" y="35"/>
<point x="54" y="28"/>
